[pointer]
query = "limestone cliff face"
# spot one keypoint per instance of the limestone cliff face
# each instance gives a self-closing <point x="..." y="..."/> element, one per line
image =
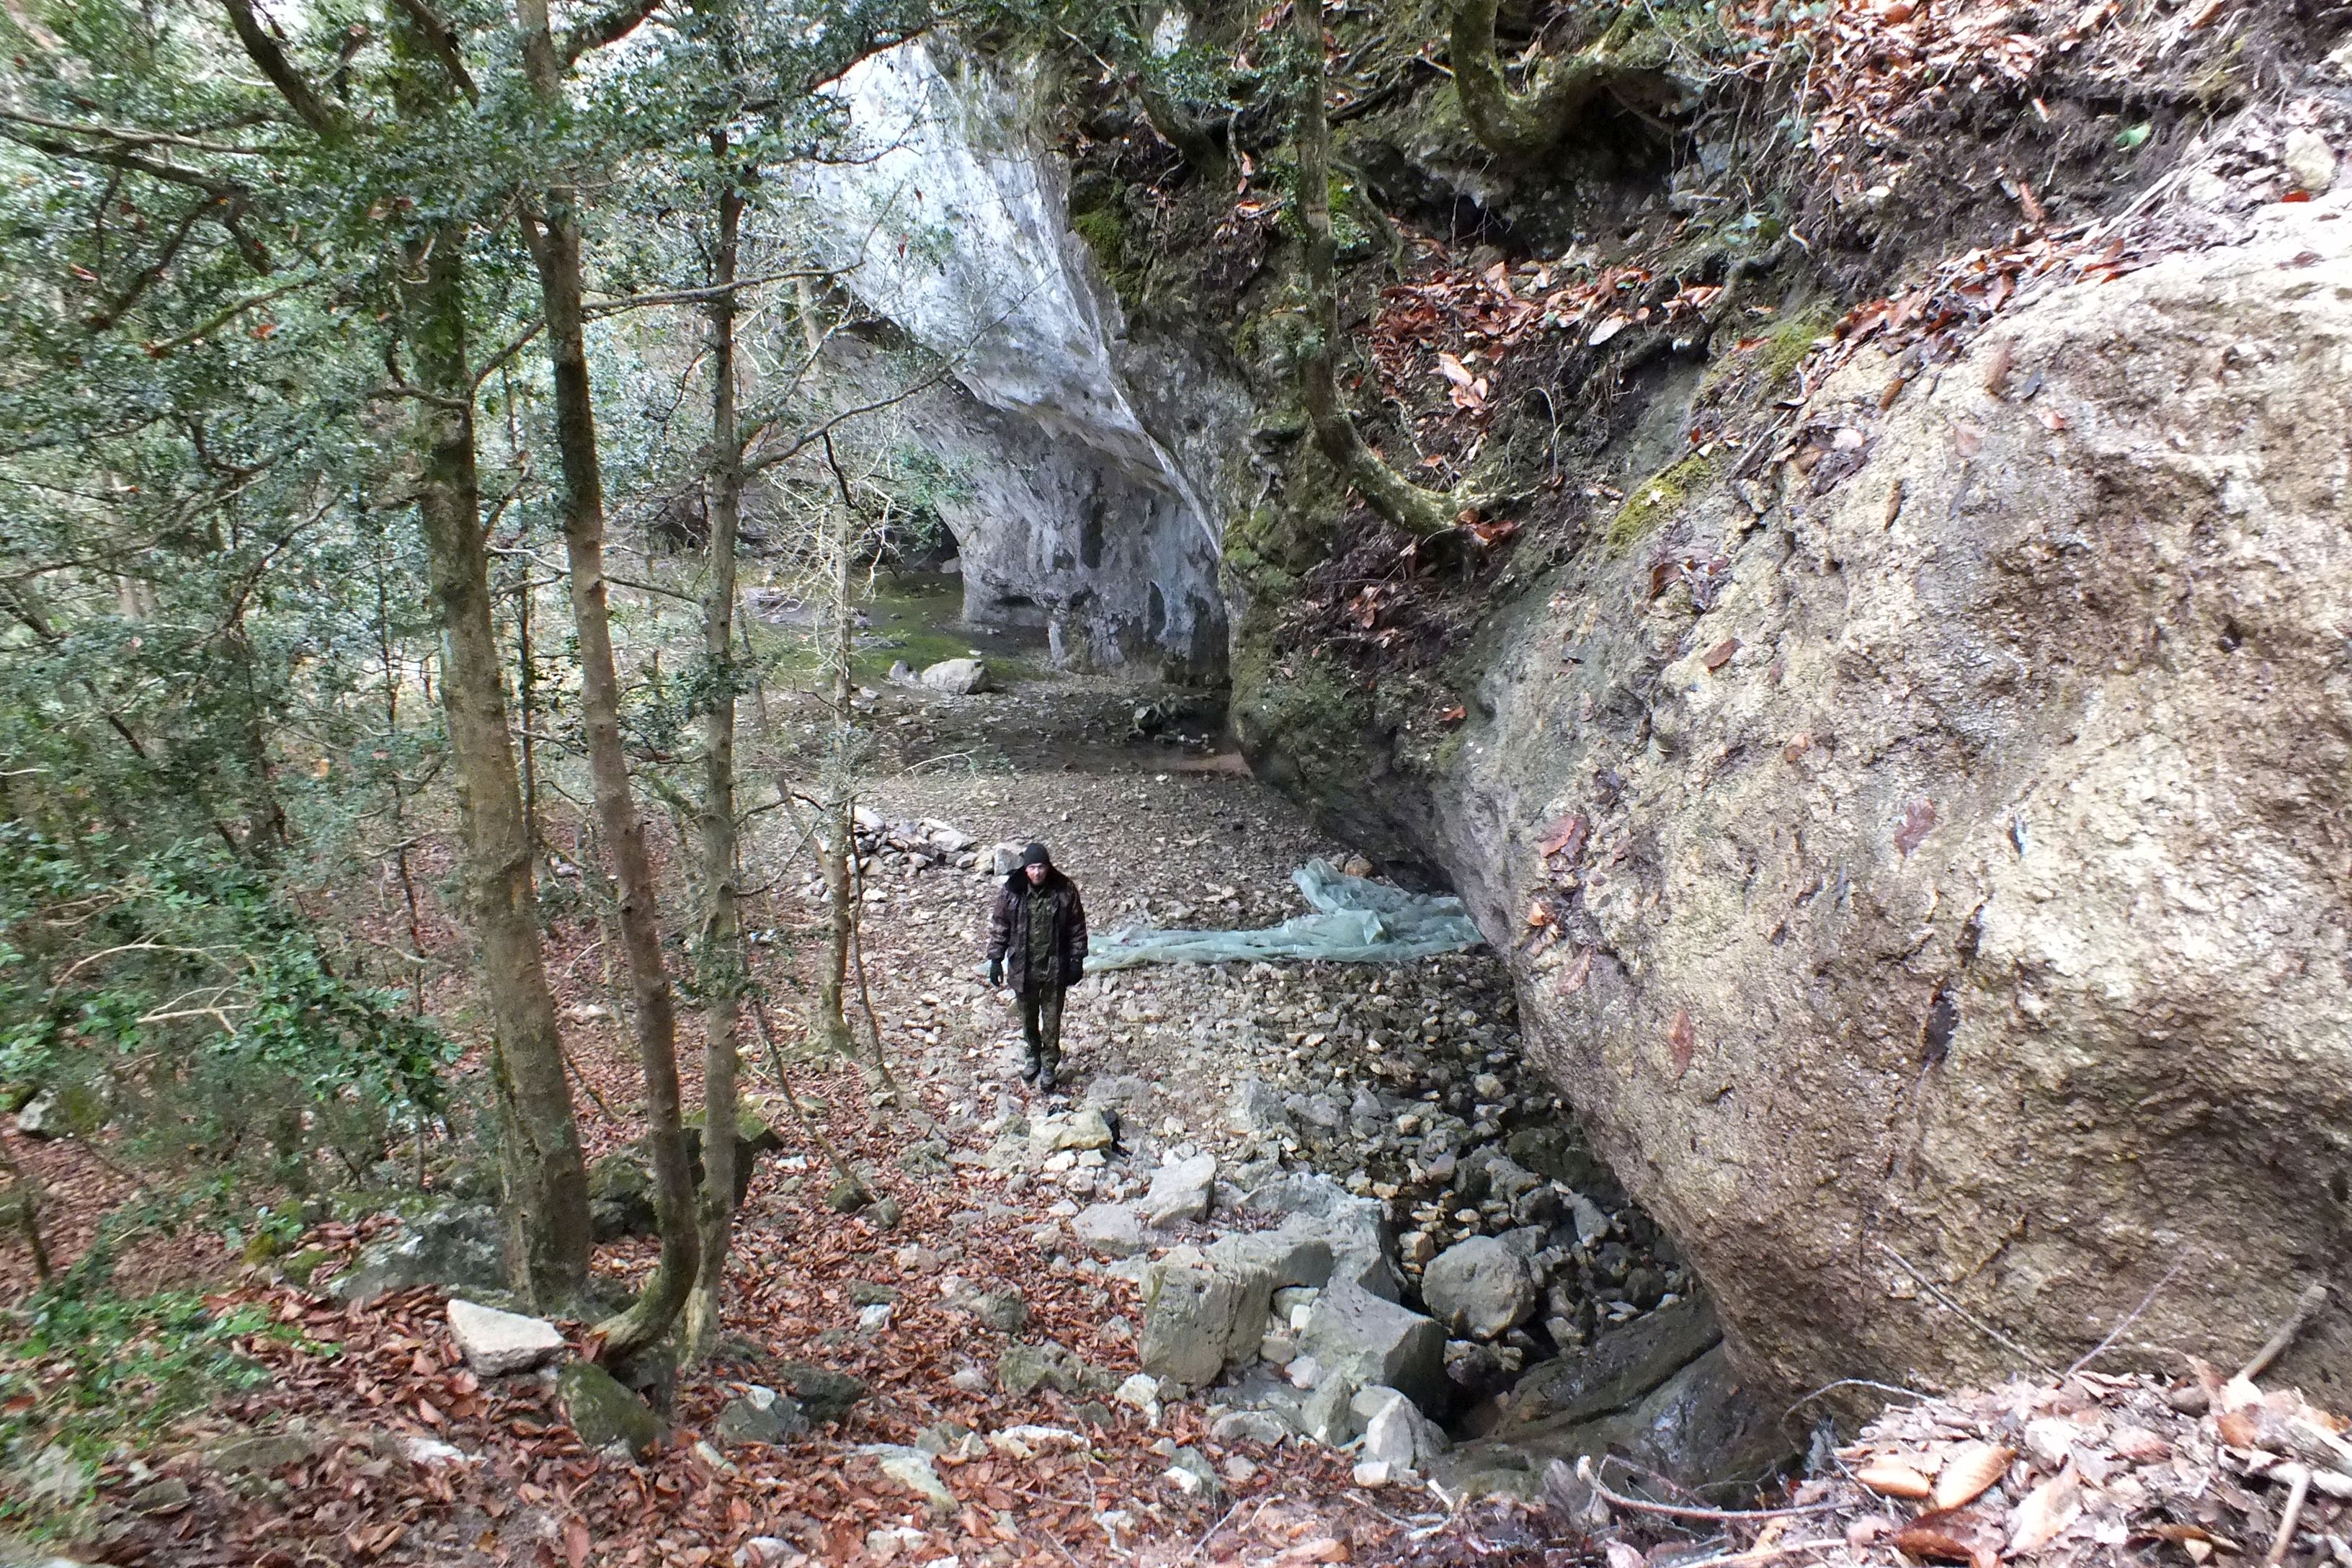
<point x="1078" y="501"/>
<point x="1972" y="883"/>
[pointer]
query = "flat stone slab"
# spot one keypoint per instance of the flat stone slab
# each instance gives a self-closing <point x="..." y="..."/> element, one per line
<point x="497" y="1343"/>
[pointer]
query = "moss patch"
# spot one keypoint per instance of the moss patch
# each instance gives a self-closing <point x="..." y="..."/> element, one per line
<point x="1104" y="232"/>
<point x="1657" y="499"/>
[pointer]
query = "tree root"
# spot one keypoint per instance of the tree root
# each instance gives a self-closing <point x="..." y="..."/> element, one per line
<point x="1523" y="127"/>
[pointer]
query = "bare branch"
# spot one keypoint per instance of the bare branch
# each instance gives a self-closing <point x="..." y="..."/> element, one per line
<point x="265" y="53"/>
<point x="609" y="28"/>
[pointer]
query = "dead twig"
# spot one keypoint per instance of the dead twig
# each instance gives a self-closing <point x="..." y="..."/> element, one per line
<point x="2096" y="1351"/>
<point x="1978" y="1324"/>
<point x="1676" y="1510"/>
<point x="2313" y="1298"/>
<point x="2298" y="1488"/>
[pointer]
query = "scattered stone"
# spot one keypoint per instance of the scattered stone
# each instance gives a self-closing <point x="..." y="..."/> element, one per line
<point x="426" y="1453"/>
<point x="1257" y="1109"/>
<point x="496" y="1342"/>
<point x="1005" y="1311"/>
<point x="957" y="677"/>
<point x="873" y="1320"/>
<point x="602" y="1412"/>
<point x="911" y="1469"/>
<point x="1023" y="1370"/>
<point x="168" y="1495"/>
<point x="56" y="1482"/>
<point x="760" y="1415"/>
<point x="765" y="1552"/>
<point x="1083" y="1129"/>
<point x="1479" y="1288"/>
<point x="1190" y="1473"/>
<point x="823" y="1394"/>
<point x="1181" y="1192"/>
<point x="1373" y="1473"/>
<point x="1108" y="1230"/>
<point x="1249" y="1426"/>
<point x="259" y="1453"/>
<point x="849" y="1196"/>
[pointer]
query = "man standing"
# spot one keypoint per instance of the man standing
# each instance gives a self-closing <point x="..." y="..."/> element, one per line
<point x="1040" y="927"/>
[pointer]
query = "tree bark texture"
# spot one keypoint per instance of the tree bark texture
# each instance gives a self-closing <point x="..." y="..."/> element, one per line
<point x="545" y="1178"/>
<point x="555" y="243"/>
<point x="722" y="976"/>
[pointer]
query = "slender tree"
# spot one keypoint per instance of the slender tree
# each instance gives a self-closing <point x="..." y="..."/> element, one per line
<point x="554" y="231"/>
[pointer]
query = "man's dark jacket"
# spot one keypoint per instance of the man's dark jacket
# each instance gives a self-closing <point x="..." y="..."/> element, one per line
<point x="1007" y="930"/>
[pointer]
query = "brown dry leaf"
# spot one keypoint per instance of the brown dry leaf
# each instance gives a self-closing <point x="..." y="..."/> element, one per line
<point x="2138" y="1445"/>
<point x="1966" y="440"/>
<point x="1608" y="330"/>
<point x="1455" y="370"/>
<point x="1890" y="1477"/>
<point x="2052" y="420"/>
<point x="1682" y="1036"/>
<point x="1971" y="1468"/>
<point x="1949" y="1535"/>
<point x="1720" y="654"/>
<point x="2047" y="1509"/>
<point x="1918" y="820"/>
<point x="1567" y="836"/>
<point x="1323" y="1549"/>
<point x="1579" y="972"/>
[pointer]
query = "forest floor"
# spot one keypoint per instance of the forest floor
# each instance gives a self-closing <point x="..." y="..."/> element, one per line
<point x="389" y="1450"/>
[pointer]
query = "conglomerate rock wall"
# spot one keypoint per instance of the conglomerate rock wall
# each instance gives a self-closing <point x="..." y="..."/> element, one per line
<point x="1962" y="901"/>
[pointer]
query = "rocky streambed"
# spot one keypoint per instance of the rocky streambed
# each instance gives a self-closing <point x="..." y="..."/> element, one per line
<point x="1321" y="1181"/>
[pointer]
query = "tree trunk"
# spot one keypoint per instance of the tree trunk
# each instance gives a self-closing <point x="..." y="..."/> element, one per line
<point x="1416" y="511"/>
<point x="545" y="1178"/>
<point x="555" y="245"/>
<point x="722" y="937"/>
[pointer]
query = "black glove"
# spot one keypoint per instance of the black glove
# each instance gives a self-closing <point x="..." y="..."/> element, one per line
<point x="996" y="972"/>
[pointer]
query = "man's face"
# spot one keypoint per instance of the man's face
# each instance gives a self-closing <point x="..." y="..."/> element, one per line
<point x="1036" y="873"/>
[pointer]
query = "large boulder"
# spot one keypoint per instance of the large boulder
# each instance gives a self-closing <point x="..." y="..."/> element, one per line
<point x="1201" y="1316"/>
<point x="1938" y="837"/>
<point x="601" y="1412"/>
<point x="458" y="1246"/>
<point x="1479" y="1288"/>
<point x="1359" y="1340"/>
<point x="1181" y="1191"/>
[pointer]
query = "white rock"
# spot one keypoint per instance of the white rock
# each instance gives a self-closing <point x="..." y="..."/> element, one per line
<point x="1108" y="1230"/>
<point x="2309" y="158"/>
<point x="1373" y="1473"/>
<point x="1181" y="1192"/>
<point x="496" y="1344"/>
<point x="1392" y="1436"/>
<point x="957" y="677"/>
<point x="430" y="1451"/>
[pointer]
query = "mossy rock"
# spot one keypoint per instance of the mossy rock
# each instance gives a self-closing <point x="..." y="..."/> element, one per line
<point x="826" y="1395"/>
<point x="297" y="1269"/>
<point x="1657" y="498"/>
<point x="602" y="1413"/>
<point x="621" y="1196"/>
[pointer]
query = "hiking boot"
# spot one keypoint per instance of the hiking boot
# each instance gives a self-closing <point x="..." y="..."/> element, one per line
<point x="1030" y="1070"/>
<point x="1046" y="1078"/>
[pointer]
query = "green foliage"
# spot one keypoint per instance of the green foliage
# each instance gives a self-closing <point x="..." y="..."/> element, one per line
<point x="180" y="991"/>
<point x="87" y="1372"/>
